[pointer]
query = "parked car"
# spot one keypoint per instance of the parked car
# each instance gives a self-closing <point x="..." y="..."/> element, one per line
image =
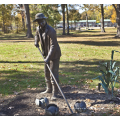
<point x="60" y="27"/>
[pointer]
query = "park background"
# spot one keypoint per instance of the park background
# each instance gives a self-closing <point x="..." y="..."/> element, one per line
<point x="83" y="47"/>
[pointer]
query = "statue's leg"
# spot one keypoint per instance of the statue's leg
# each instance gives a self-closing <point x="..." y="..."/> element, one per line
<point x="54" y="66"/>
<point x="47" y="80"/>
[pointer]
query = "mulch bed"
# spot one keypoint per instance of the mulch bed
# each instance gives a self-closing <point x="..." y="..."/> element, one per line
<point x="23" y="103"/>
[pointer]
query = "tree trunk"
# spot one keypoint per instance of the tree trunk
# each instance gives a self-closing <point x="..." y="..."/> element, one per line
<point x="75" y="25"/>
<point x="102" y="19"/>
<point x="29" y="33"/>
<point x="3" y="21"/>
<point x="17" y="28"/>
<point x="118" y="21"/>
<point x="86" y="21"/>
<point x="63" y="12"/>
<point x="22" y="14"/>
<point x="23" y="21"/>
<point x="67" y="20"/>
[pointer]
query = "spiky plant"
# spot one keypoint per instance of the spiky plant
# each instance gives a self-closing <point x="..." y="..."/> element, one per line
<point x="109" y="75"/>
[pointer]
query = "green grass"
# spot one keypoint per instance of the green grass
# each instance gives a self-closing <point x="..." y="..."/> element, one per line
<point x="22" y="67"/>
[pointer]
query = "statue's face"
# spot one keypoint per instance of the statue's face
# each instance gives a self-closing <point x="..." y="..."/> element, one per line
<point x="42" y="23"/>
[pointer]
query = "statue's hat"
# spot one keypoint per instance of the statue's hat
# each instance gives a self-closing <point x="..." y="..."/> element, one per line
<point x="39" y="16"/>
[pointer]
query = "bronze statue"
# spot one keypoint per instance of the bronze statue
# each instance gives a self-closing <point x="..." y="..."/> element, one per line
<point x="50" y="50"/>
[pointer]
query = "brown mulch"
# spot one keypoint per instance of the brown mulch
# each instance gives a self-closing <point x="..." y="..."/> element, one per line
<point x="23" y="103"/>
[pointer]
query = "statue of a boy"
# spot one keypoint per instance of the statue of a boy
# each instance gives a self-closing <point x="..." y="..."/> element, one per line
<point x="50" y="50"/>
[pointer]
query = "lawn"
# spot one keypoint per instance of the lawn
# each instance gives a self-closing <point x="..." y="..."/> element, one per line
<point x="22" y="67"/>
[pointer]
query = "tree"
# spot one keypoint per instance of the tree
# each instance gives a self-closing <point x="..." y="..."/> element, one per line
<point x="29" y="33"/>
<point x="117" y="9"/>
<point x="3" y="17"/>
<point x="50" y="11"/>
<point x="102" y="19"/>
<point x="6" y="17"/>
<point x="67" y="19"/>
<point x="108" y="11"/>
<point x="91" y="15"/>
<point x="94" y="8"/>
<point x="86" y="21"/>
<point x="74" y="15"/>
<point x="113" y="17"/>
<point x="77" y="17"/>
<point x="23" y="15"/>
<point x="63" y="12"/>
<point x="18" y="21"/>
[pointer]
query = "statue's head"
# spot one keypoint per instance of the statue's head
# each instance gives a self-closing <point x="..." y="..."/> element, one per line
<point x="41" y="19"/>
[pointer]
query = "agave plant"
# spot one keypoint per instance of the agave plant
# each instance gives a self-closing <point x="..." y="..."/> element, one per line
<point x="109" y="75"/>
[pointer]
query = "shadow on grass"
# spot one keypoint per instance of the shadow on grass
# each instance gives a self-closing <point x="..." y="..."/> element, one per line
<point x="16" y="37"/>
<point x="66" y="62"/>
<point x="86" y="35"/>
<point x="17" y="81"/>
<point x="13" y="36"/>
<point x="21" y="61"/>
<point x="68" y="69"/>
<point x="75" y="34"/>
<point x="95" y="43"/>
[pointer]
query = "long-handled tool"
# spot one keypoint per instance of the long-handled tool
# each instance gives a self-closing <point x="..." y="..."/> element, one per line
<point x="57" y="83"/>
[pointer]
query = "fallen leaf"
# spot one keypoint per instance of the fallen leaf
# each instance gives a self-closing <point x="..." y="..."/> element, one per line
<point x="31" y="66"/>
<point x="93" y="88"/>
<point x="33" y="88"/>
<point x="87" y="100"/>
<point x="15" y="93"/>
<point x="91" y="80"/>
<point x="25" y="66"/>
<point x="75" y="92"/>
<point x="86" y="81"/>
<point x="10" y="108"/>
<point x="2" y="66"/>
<point x="106" y="107"/>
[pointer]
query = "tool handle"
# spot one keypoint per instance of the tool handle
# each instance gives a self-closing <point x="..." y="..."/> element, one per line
<point x="56" y="82"/>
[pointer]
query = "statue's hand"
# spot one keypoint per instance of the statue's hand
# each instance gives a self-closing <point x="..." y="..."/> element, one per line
<point x="46" y="61"/>
<point x="36" y="44"/>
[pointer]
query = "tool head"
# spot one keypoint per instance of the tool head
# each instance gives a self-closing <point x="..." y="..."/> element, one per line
<point x="80" y="106"/>
<point x="43" y="102"/>
<point x="52" y="110"/>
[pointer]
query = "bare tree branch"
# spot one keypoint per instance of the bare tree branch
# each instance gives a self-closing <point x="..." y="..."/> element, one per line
<point x="115" y="8"/>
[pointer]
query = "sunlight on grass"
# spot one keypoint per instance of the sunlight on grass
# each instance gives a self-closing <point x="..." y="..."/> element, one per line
<point x="22" y="67"/>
